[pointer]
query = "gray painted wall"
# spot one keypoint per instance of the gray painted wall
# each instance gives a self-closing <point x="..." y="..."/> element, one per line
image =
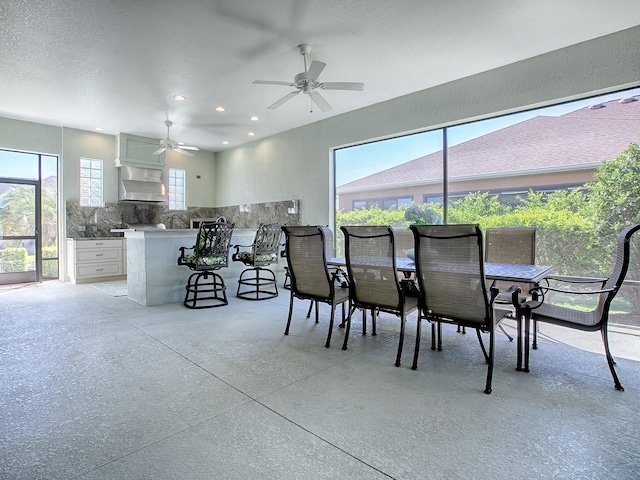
<point x="298" y="163"/>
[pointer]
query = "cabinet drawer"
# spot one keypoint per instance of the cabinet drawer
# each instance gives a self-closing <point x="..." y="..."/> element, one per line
<point x="104" y="254"/>
<point x="107" y="243"/>
<point x="99" y="270"/>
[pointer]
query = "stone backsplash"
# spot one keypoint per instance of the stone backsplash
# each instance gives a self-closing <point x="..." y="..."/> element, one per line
<point x="82" y="221"/>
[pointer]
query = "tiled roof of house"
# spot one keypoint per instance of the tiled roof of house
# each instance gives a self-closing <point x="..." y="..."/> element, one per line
<point x="540" y="143"/>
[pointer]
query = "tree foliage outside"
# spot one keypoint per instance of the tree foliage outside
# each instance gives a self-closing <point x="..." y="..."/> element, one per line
<point x="17" y="218"/>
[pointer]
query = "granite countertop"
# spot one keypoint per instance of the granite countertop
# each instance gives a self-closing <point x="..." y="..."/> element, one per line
<point x="111" y="237"/>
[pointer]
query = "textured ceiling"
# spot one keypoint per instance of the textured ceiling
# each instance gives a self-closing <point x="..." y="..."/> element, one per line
<point x="116" y="64"/>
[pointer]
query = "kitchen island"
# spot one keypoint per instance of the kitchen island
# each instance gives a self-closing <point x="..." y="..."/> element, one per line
<point x="153" y="274"/>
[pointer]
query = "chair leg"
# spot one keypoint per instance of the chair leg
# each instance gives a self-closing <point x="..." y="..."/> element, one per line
<point x="310" y="308"/>
<point x="207" y="288"/>
<point x="433" y="335"/>
<point x="492" y="341"/>
<point x="364" y="322"/>
<point x="348" y="328"/>
<point x="401" y="342"/>
<point x="416" y="352"/>
<point x="373" y="322"/>
<point x="286" y="330"/>
<point x="535" y="336"/>
<point x="505" y="332"/>
<point x="333" y="314"/>
<point x="610" y="361"/>
<point x="261" y="286"/>
<point x="484" y="351"/>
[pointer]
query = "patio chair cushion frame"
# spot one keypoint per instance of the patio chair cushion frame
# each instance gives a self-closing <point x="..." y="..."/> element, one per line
<point x="373" y="278"/>
<point x="205" y="288"/>
<point x="258" y="282"/>
<point x="449" y="263"/>
<point x="310" y="278"/>
<point x="595" y="320"/>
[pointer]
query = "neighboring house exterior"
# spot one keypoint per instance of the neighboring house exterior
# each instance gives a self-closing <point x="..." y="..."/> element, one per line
<point x="543" y="153"/>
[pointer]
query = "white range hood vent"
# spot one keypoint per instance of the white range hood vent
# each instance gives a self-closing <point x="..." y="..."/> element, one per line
<point x="139" y="184"/>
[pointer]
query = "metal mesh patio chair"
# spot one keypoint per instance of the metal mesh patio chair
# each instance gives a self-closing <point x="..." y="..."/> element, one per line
<point x="258" y="282"/>
<point x="513" y="245"/>
<point x="450" y="272"/>
<point x="311" y="279"/>
<point x="602" y="290"/>
<point x="373" y="277"/>
<point x="206" y="288"/>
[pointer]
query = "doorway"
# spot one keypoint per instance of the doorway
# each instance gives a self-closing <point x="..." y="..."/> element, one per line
<point x="28" y="217"/>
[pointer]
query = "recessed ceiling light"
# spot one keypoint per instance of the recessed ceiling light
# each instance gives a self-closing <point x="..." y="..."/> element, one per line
<point x="99" y="129"/>
<point x="180" y="98"/>
<point x="251" y="134"/>
<point x="225" y="142"/>
<point x="254" y="118"/>
<point x="220" y="109"/>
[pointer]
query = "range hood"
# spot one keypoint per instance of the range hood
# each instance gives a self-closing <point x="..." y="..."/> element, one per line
<point x="140" y="184"/>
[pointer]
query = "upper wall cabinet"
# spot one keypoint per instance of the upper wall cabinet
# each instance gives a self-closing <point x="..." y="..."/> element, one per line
<point x="138" y="151"/>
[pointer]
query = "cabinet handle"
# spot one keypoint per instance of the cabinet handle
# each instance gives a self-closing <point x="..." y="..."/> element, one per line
<point x="99" y="243"/>
<point x="99" y="254"/>
<point x="99" y="269"/>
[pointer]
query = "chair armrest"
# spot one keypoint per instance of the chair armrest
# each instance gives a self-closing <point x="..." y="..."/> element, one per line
<point x="542" y="290"/>
<point x="572" y="279"/>
<point x="183" y="249"/>
<point x="339" y="276"/>
<point x="238" y="247"/>
<point x="409" y="287"/>
<point x="513" y="291"/>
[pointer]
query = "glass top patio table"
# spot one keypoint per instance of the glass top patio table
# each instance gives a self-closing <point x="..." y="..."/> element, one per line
<point x="492" y="271"/>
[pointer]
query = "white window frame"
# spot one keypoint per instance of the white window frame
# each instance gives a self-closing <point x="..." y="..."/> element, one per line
<point x="177" y="189"/>
<point x="91" y="182"/>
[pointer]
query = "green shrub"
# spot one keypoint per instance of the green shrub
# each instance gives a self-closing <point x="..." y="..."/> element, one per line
<point x="13" y="259"/>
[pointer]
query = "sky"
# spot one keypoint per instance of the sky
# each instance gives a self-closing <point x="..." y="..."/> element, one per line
<point x="359" y="161"/>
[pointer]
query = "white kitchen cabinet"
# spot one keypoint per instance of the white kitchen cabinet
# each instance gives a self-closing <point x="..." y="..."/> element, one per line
<point x="91" y="260"/>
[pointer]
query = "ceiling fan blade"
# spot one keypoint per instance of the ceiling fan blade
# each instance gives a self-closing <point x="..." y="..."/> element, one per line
<point x="342" y="86"/>
<point x="287" y="97"/>
<point x="315" y="69"/>
<point x="272" y="82"/>
<point x="186" y="147"/>
<point x="319" y="100"/>
<point x="160" y="150"/>
<point x="183" y="152"/>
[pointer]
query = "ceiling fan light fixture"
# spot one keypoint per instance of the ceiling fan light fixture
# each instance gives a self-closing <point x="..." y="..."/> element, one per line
<point x="307" y="82"/>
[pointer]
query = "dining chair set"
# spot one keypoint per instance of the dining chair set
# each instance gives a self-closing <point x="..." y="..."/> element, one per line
<point x="447" y="283"/>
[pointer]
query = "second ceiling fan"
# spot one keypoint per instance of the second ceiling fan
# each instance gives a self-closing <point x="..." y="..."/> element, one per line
<point x="307" y="82"/>
<point x="168" y="144"/>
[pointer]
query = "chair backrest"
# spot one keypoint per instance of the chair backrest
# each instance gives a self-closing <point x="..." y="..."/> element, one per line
<point x="450" y="271"/>
<point x="514" y="245"/>
<point x="371" y="264"/>
<point x="267" y="243"/>
<point x="329" y="244"/>
<point x="213" y="243"/>
<point x="305" y="253"/>
<point x="619" y="272"/>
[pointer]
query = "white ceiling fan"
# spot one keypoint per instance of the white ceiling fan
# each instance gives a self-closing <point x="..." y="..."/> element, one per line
<point x="168" y="144"/>
<point x="308" y="83"/>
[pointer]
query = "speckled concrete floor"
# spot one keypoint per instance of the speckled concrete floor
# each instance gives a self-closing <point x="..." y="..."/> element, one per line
<point x="98" y="387"/>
